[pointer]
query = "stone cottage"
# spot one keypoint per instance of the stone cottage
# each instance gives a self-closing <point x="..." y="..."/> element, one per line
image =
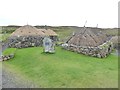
<point x="90" y="42"/>
<point x="26" y="36"/>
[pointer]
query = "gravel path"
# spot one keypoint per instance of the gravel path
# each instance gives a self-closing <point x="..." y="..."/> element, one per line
<point x="0" y="76"/>
<point x="10" y="80"/>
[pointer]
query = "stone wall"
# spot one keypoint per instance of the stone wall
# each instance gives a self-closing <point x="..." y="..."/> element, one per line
<point x="99" y="51"/>
<point x="7" y="57"/>
<point x="25" y="41"/>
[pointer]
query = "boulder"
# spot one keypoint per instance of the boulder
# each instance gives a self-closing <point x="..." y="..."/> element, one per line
<point x="98" y="55"/>
<point x="5" y="58"/>
<point x="11" y="55"/>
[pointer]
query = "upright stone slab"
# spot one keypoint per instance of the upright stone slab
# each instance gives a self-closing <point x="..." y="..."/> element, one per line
<point x="48" y="45"/>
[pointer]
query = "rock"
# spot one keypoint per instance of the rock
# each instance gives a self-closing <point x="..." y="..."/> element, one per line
<point x="94" y="55"/>
<point x="8" y="58"/>
<point x="24" y="42"/>
<point x="5" y="59"/>
<point x="11" y="55"/>
<point x="98" y="55"/>
<point x="33" y="44"/>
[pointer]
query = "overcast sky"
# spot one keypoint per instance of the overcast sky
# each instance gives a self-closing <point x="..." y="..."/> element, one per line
<point x="60" y="12"/>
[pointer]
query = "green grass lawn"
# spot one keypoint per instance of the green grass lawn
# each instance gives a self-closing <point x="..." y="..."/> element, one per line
<point x="64" y="68"/>
<point x="113" y="32"/>
<point x="4" y="37"/>
<point x="64" y="34"/>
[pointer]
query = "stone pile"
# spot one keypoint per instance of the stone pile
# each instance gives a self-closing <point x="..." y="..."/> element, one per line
<point x="99" y="51"/>
<point x="25" y="41"/>
<point x="7" y="57"/>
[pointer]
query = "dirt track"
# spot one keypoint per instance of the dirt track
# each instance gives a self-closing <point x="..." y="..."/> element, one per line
<point x="10" y="80"/>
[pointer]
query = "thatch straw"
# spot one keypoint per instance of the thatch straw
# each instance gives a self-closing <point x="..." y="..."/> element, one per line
<point x="27" y="30"/>
<point x="48" y="32"/>
<point x="87" y="37"/>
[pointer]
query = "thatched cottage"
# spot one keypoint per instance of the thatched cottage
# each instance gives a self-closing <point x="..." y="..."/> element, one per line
<point x="50" y="33"/>
<point x="26" y="36"/>
<point x="89" y="42"/>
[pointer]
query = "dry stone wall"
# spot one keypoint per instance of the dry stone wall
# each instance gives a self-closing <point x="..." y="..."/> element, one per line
<point x="25" y="41"/>
<point x="7" y="57"/>
<point x="100" y="51"/>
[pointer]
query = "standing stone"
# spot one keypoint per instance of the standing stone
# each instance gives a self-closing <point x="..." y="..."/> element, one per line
<point x="48" y="45"/>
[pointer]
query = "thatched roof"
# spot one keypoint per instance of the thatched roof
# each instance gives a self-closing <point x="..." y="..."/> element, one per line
<point x="48" y="32"/>
<point x="27" y="30"/>
<point x="115" y="39"/>
<point x="87" y="37"/>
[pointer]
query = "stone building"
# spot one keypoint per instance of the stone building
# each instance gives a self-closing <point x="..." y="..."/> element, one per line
<point x="26" y="36"/>
<point x="90" y="42"/>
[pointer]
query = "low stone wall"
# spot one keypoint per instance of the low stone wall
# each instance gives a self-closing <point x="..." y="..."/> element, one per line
<point x="99" y="51"/>
<point x="25" y="41"/>
<point x="7" y="57"/>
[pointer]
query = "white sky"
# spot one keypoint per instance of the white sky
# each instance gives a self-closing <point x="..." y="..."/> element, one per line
<point x="60" y="12"/>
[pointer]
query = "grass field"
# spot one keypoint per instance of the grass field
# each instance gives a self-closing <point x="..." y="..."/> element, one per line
<point x="64" y="68"/>
<point x="113" y="32"/>
<point x="64" y="34"/>
<point x="4" y="37"/>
